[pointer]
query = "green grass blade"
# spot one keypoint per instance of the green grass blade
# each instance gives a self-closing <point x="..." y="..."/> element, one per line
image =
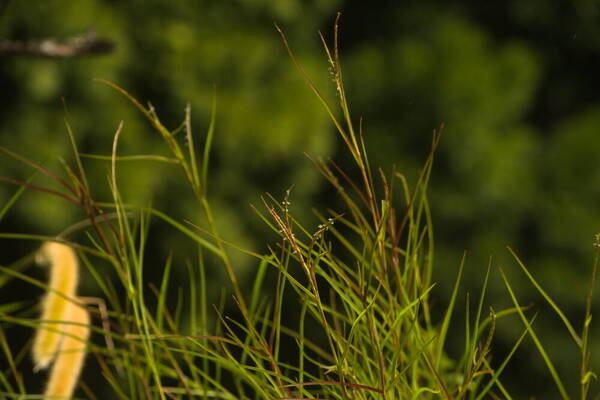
<point x="558" y="311"/>
<point x="448" y="315"/>
<point x="536" y="340"/>
<point x="13" y="199"/>
<point x="208" y="142"/>
<point x="164" y="289"/>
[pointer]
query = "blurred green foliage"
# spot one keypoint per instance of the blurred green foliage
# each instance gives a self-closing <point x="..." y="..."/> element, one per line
<point x="515" y="84"/>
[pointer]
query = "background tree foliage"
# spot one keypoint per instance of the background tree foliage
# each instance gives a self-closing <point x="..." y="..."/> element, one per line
<point x="514" y="83"/>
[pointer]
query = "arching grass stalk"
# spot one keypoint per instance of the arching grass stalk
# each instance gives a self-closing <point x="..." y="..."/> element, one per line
<point x="197" y="179"/>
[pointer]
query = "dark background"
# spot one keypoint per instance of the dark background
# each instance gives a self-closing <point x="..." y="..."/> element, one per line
<point x="515" y="84"/>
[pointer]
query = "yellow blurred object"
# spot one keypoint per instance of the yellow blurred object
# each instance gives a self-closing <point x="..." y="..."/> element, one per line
<point x="57" y="304"/>
<point x="62" y="341"/>
<point x="71" y="355"/>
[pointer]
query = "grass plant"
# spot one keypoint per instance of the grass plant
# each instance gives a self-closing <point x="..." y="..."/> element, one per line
<point x="361" y="282"/>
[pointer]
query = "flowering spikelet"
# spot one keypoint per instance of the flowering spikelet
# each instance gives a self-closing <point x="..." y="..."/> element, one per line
<point x="70" y="357"/>
<point x="64" y="275"/>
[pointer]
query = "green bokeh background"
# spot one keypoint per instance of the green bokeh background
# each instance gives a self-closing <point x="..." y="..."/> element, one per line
<point x="515" y="84"/>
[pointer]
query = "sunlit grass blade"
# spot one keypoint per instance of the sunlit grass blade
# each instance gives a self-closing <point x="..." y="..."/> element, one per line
<point x="140" y="157"/>
<point x="82" y="178"/>
<point x="163" y="292"/>
<point x="586" y="375"/>
<point x="448" y="315"/>
<point x="208" y="142"/>
<point x="13" y="199"/>
<point x="498" y="371"/>
<point x="536" y="340"/>
<point x="555" y="307"/>
<point x="12" y="367"/>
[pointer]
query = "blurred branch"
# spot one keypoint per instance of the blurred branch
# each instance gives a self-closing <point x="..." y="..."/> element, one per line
<point x="87" y="43"/>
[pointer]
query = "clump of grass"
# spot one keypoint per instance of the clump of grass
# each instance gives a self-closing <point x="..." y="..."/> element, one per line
<point x="361" y="281"/>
